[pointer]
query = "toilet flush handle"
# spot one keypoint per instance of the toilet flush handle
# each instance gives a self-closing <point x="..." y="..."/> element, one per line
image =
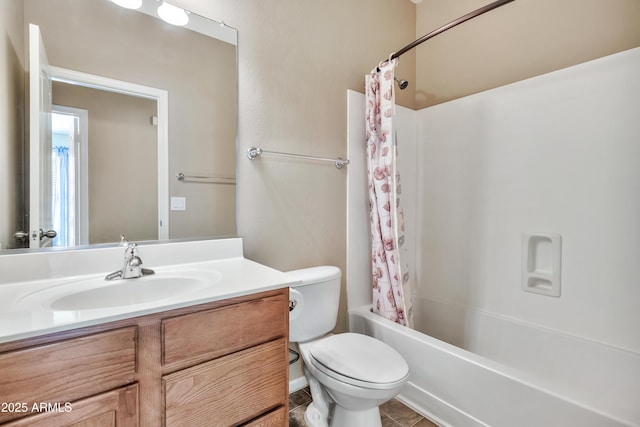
<point x="296" y="304"/>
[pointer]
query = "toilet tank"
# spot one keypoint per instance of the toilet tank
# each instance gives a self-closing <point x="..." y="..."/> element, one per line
<point x="317" y="298"/>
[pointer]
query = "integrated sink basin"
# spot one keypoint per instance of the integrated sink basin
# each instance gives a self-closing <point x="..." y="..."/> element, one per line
<point x="128" y="292"/>
<point x="97" y="293"/>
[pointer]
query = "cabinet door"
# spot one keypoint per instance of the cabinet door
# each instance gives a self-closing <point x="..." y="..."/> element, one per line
<point x="230" y="390"/>
<point x="67" y="370"/>
<point x="114" y="408"/>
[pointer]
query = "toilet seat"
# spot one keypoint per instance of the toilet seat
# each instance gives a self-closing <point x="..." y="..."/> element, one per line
<point x="359" y="360"/>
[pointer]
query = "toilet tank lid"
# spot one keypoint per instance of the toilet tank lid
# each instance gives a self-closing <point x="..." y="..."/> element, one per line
<point x="312" y="275"/>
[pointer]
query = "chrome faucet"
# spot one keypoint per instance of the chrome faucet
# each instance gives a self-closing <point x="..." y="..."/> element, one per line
<point x="132" y="265"/>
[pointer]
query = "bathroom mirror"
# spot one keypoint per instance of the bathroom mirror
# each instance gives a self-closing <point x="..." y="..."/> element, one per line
<point x="118" y="169"/>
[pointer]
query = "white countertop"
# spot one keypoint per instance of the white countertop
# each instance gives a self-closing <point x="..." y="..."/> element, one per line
<point x="26" y="311"/>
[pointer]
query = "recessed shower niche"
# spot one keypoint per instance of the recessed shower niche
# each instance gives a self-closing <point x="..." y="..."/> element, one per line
<point x="541" y="263"/>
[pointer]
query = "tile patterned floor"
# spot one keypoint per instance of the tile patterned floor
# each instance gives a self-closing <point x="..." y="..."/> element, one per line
<point x="393" y="413"/>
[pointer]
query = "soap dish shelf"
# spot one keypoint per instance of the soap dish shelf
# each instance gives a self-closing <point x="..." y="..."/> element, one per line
<point x="541" y="262"/>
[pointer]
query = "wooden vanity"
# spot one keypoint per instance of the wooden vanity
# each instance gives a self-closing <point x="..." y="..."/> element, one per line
<point x="222" y="363"/>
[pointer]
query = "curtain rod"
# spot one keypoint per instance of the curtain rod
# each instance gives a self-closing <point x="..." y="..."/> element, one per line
<point x="470" y="15"/>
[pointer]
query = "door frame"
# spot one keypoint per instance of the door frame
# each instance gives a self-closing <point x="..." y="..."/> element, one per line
<point x="162" y="100"/>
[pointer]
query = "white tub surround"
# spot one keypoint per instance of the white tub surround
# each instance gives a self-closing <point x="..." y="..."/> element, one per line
<point x="32" y="282"/>
<point x="525" y="224"/>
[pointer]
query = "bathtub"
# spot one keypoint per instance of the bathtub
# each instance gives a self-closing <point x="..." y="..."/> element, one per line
<point x="578" y="382"/>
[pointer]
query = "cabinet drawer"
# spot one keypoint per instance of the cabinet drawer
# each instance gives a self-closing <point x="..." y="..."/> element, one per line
<point x="272" y="419"/>
<point x="68" y="370"/>
<point x="213" y="333"/>
<point x="230" y="390"/>
<point x="116" y="408"/>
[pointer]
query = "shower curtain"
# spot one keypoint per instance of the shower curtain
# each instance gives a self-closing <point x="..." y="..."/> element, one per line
<point x="391" y="293"/>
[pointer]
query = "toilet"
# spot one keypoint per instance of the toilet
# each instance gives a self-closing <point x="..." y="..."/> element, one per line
<point x="350" y="375"/>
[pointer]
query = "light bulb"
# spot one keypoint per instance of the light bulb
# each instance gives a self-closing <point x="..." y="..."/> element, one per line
<point x="173" y="14"/>
<point x="129" y="4"/>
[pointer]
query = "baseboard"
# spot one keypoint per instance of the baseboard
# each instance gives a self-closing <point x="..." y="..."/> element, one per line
<point x="297" y="384"/>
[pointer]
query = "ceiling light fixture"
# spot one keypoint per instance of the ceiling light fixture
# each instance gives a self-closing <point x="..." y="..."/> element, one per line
<point x="128" y="4"/>
<point x="173" y="14"/>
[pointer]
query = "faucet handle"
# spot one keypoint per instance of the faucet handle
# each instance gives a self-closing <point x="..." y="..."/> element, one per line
<point x="131" y="251"/>
<point x="123" y="240"/>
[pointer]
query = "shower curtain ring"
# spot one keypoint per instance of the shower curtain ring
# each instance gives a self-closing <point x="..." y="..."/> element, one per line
<point x="386" y="61"/>
<point x="391" y="58"/>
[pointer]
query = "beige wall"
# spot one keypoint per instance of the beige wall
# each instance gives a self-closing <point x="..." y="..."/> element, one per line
<point x="522" y="39"/>
<point x="101" y="38"/>
<point x="296" y="61"/>
<point x="12" y="78"/>
<point x="122" y="153"/>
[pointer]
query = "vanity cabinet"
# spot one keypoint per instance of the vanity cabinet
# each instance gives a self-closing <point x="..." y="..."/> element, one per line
<point x="223" y="363"/>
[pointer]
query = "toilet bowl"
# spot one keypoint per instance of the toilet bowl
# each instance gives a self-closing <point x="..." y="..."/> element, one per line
<point x="349" y="374"/>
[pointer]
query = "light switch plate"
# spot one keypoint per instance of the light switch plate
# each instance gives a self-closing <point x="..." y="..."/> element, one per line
<point x="178" y="203"/>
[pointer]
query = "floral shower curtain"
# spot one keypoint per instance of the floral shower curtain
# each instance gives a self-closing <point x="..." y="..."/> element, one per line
<point x="391" y="293"/>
